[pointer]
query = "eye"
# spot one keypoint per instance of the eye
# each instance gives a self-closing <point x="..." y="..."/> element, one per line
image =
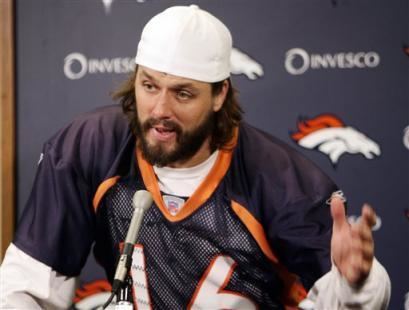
<point x="149" y="87"/>
<point x="184" y="95"/>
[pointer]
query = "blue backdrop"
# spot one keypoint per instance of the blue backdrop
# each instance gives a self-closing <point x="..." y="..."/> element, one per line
<point x="328" y="77"/>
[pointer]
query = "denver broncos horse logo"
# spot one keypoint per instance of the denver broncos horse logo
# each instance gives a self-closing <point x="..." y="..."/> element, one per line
<point x="241" y="63"/>
<point x="329" y="135"/>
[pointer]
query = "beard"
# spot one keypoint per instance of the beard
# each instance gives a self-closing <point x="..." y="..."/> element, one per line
<point x="187" y="143"/>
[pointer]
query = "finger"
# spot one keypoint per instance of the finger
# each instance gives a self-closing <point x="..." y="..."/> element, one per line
<point x="338" y="213"/>
<point x="368" y="216"/>
<point x="354" y="268"/>
<point x="362" y="241"/>
<point x="356" y="258"/>
<point x="360" y="267"/>
<point x="367" y="252"/>
<point x="356" y="239"/>
<point x="365" y="233"/>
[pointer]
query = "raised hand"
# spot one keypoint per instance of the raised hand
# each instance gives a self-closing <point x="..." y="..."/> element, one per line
<point x="352" y="246"/>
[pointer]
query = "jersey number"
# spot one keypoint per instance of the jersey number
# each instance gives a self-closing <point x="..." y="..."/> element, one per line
<point x="210" y="293"/>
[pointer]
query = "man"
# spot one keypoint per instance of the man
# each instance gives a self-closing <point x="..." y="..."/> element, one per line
<point x="239" y="219"/>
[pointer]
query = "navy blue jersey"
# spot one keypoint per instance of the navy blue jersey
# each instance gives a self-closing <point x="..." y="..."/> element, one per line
<point x="259" y="219"/>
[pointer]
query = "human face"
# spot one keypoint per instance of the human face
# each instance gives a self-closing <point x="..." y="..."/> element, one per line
<point x="175" y="117"/>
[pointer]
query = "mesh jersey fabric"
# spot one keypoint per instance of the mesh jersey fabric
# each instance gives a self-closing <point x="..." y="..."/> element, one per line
<point x="178" y="253"/>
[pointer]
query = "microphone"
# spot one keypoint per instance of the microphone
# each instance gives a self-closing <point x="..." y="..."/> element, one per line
<point x="141" y="202"/>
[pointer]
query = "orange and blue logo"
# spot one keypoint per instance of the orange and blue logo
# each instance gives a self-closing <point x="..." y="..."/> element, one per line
<point x="328" y="134"/>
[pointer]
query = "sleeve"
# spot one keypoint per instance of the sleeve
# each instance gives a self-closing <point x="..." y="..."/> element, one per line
<point x="332" y="291"/>
<point x="287" y="194"/>
<point x="26" y="283"/>
<point x="297" y="218"/>
<point x="57" y="225"/>
<point x="301" y="236"/>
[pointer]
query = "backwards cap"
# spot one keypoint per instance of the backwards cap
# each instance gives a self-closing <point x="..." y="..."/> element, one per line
<point x="188" y="42"/>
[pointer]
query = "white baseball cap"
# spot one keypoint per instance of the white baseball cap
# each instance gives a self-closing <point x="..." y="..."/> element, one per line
<point x="186" y="41"/>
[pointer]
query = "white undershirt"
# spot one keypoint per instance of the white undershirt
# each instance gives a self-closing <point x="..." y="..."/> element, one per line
<point x="184" y="181"/>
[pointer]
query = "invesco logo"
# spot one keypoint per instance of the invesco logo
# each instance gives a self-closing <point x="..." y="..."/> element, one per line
<point x="298" y="61"/>
<point x="76" y="65"/>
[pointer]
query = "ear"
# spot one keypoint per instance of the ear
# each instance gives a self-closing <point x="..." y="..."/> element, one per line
<point x="220" y="97"/>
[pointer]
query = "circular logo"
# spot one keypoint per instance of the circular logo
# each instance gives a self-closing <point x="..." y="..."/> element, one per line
<point x="372" y="59"/>
<point x="406" y="137"/>
<point x="297" y="61"/>
<point x="75" y="66"/>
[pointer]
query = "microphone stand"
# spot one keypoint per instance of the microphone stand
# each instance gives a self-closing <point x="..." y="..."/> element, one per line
<point x="141" y="202"/>
<point x="124" y="299"/>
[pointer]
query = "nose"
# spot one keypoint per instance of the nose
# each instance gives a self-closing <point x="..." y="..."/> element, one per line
<point x="162" y="105"/>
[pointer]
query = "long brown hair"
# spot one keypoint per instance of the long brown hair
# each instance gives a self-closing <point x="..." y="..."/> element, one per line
<point x="226" y="119"/>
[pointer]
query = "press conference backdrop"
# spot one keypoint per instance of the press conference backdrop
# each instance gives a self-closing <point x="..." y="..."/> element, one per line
<point x="328" y="77"/>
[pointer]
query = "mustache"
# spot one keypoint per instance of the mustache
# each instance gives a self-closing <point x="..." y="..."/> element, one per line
<point x="166" y="123"/>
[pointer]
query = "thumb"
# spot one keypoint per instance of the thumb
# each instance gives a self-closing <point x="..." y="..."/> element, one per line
<point x="338" y="213"/>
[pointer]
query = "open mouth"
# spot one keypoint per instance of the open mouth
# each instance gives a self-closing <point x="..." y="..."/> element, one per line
<point x="163" y="130"/>
<point x="162" y="133"/>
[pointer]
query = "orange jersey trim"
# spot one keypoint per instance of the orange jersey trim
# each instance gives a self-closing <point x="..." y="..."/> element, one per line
<point x="255" y="228"/>
<point x="102" y="189"/>
<point x="202" y="193"/>
<point x="294" y="292"/>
